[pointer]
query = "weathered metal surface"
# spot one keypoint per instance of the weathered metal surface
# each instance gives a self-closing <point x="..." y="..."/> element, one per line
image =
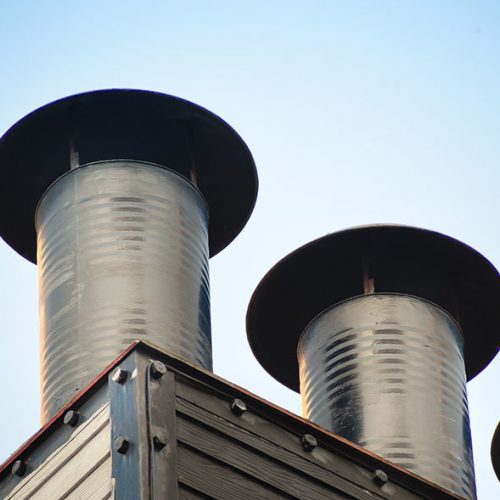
<point x="52" y="436"/>
<point x="256" y="472"/>
<point x="129" y="424"/>
<point x="210" y="449"/>
<point x="143" y="430"/>
<point x="162" y="425"/>
<point x="123" y="255"/>
<point x="387" y="372"/>
<point x="80" y="468"/>
<point x="215" y="479"/>
<point x="264" y="444"/>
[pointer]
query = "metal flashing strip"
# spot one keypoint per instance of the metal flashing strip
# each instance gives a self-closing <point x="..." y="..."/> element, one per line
<point x="162" y="431"/>
<point x="129" y="454"/>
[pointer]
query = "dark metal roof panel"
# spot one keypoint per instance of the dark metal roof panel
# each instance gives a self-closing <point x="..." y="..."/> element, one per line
<point x="186" y="428"/>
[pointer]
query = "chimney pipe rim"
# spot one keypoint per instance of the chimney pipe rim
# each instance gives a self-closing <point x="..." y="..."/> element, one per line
<point x="328" y="270"/>
<point x="123" y="162"/>
<point x="377" y="294"/>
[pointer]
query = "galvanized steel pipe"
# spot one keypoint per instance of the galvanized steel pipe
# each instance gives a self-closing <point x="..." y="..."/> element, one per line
<point x="387" y="372"/>
<point x="122" y="251"/>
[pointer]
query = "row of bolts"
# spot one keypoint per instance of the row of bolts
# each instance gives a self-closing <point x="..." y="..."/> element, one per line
<point x="121" y="444"/>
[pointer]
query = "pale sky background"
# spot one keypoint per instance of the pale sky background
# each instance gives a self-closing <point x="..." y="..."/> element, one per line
<point x="356" y="112"/>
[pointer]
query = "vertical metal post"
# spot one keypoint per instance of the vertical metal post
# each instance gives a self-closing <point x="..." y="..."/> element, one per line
<point x="129" y="429"/>
<point x="144" y="438"/>
<point x="162" y="431"/>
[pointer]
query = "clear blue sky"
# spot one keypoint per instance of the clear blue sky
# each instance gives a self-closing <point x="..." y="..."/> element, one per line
<point x="356" y="112"/>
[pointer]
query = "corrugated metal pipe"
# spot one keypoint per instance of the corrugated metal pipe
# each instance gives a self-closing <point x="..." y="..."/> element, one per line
<point x="122" y="255"/>
<point x="379" y="328"/>
<point x="122" y="245"/>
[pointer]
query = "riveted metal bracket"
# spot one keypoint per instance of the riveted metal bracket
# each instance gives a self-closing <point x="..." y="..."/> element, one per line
<point x="143" y="437"/>
<point x="129" y="430"/>
<point x="162" y="431"/>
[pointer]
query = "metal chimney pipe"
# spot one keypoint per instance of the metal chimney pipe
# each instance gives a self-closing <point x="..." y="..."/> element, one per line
<point x="122" y="255"/>
<point x="130" y="192"/>
<point x="387" y="372"/>
<point x="380" y="327"/>
<point x="495" y="451"/>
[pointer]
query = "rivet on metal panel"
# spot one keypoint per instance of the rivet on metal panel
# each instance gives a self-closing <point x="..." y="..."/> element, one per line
<point x="121" y="444"/>
<point x="18" y="468"/>
<point x="380" y="477"/>
<point x="238" y="407"/>
<point x="157" y="370"/>
<point x="309" y="442"/>
<point x="119" y="376"/>
<point x="71" y="418"/>
<point x="159" y="440"/>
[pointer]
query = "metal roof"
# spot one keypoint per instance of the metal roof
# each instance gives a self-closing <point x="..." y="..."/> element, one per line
<point x="180" y="430"/>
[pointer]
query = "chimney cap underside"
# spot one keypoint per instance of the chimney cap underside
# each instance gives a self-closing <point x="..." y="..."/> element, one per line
<point x="130" y="125"/>
<point x="399" y="259"/>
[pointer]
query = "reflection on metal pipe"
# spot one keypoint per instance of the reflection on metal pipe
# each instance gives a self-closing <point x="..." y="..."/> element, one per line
<point x="387" y="372"/>
<point x="123" y="255"/>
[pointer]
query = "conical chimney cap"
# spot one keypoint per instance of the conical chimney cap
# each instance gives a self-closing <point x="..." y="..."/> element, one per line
<point x="124" y="124"/>
<point x="398" y="259"/>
